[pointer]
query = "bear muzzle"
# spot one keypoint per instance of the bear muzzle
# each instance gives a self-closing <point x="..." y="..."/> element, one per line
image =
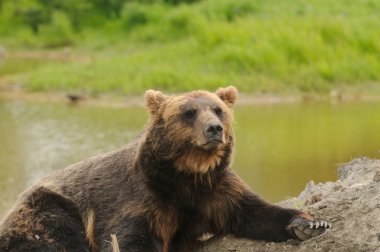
<point x="214" y="134"/>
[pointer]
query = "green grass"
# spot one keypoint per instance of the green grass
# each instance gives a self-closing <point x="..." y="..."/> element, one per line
<point x="270" y="46"/>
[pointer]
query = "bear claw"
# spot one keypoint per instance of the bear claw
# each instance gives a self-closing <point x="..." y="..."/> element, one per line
<point x="306" y="229"/>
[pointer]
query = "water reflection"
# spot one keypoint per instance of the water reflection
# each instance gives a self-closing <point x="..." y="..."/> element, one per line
<point x="279" y="147"/>
<point x="282" y="147"/>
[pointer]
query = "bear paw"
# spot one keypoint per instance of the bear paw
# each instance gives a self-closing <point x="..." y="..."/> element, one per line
<point x="305" y="229"/>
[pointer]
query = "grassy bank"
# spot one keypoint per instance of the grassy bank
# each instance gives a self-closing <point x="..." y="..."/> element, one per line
<point x="264" y="46"/>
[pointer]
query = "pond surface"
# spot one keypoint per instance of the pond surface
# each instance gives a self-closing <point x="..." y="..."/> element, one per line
<point x="279" y="148"/>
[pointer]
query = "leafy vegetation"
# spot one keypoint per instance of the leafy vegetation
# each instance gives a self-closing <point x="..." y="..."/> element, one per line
<point x="259" y="46"/>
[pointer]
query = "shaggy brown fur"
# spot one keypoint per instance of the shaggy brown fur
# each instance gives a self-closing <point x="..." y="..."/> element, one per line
<point x="162" y="192"/>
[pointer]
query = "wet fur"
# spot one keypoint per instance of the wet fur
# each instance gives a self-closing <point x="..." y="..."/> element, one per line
<point x="159" y="193"/>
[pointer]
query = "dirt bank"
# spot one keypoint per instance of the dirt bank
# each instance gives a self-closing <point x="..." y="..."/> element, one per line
<point x="17" y="92"/>
<point x="351" y="204"/>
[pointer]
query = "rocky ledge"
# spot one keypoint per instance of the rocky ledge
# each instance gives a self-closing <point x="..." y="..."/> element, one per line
<point x="351" y="204"/>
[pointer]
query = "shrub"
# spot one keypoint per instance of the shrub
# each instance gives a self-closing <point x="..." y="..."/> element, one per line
<point x="59" y="32"/>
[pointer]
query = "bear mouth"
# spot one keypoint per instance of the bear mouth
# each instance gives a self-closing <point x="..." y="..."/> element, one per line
<point x="214" y="141"/>
<point x="213" y="144"/>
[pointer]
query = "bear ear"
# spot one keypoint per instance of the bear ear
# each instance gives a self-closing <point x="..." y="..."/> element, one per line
<point x="153" y="100"/>
<point x="228" y="95"/>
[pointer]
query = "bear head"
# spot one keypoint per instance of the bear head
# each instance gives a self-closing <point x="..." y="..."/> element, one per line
<point x="193" y="130"/>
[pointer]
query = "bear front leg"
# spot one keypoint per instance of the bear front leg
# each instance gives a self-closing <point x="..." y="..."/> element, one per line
<point x="256" y="219"/>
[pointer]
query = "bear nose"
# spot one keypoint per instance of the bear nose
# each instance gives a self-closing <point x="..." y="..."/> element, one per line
<point x="213" y="129"/>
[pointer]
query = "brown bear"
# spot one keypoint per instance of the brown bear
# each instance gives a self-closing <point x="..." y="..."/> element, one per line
<point x="161" y="192"/>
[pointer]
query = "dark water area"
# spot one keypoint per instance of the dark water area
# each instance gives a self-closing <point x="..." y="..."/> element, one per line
<point x="279" y="148"/>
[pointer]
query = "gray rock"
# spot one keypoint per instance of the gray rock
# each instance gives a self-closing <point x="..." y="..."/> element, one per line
<point x="351" y="204"/>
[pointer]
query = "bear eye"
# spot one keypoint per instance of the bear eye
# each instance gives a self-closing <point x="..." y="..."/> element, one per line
<point x="190" y="113"/>
<point x="218" y="111"/>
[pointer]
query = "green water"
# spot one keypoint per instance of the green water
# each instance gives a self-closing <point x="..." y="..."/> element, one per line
<point x="279" y="148"/>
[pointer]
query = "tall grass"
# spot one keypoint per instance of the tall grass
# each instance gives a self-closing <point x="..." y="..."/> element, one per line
<point x="259" y="46"/>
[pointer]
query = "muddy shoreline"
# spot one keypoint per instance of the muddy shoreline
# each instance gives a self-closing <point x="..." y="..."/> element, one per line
<point x="137" y="100"/>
